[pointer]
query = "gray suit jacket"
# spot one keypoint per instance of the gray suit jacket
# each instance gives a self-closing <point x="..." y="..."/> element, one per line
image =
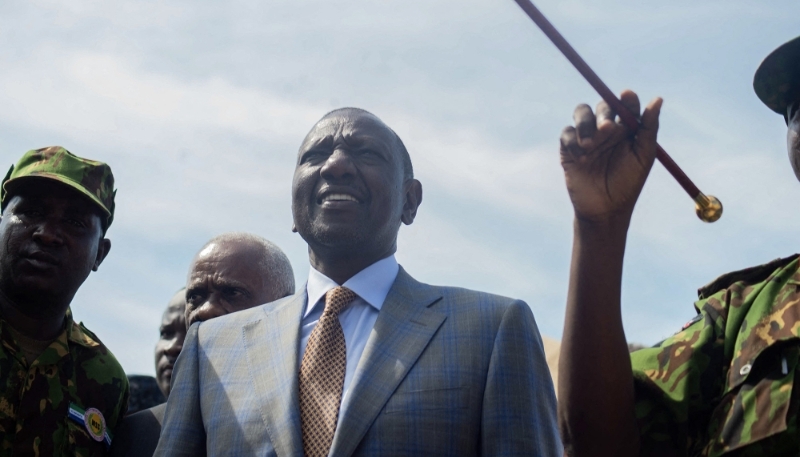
<point x="446" y="371"/>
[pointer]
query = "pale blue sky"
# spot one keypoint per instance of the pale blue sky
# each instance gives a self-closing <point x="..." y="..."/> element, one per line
<point x="200" y="106"/>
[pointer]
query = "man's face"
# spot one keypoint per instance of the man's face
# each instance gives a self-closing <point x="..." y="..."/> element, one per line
<point x="793" y="136"/>
<point x="50" y="239"/>
<point x="170" y="343"/>
<point x="348" y="190"/>
<point x="224" y="278"/>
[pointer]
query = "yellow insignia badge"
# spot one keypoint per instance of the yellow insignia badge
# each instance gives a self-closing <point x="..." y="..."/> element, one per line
<point x="93" y="420"/>
<point x="95" y="423"/>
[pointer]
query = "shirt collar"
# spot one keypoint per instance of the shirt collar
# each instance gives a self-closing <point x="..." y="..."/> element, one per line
<point x="372" y="284"/>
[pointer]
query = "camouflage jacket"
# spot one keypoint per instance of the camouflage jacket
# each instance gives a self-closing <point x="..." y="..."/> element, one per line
<point x="726" y="383"/>
<point x="67" y="402"/>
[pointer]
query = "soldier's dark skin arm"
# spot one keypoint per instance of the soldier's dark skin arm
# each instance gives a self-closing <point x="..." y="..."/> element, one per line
<point x="51" y="238"/>
<point x="605" y="170"/>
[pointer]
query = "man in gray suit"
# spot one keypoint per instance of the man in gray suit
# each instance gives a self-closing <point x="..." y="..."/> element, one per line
<point x="232" y="272"/>
<point x="363" y="360"/>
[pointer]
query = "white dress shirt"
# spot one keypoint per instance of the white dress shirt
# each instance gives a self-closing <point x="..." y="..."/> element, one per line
<point x="371" y="286"/>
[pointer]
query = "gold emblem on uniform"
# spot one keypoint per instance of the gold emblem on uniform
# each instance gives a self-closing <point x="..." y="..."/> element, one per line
<point x="93" y="420"/>
<point x="95" y="423"/>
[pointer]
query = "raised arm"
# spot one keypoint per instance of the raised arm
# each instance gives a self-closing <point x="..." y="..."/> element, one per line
<point x="605" y="169"/>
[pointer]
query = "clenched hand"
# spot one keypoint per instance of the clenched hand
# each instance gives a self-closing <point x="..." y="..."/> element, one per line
<point x="605" y="166"/>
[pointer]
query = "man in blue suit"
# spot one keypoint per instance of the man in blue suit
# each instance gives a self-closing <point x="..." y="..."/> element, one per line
<point x="364" y="360"/>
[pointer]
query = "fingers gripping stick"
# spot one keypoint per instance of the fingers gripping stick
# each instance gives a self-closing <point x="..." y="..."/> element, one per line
<point x="708" y="208"/>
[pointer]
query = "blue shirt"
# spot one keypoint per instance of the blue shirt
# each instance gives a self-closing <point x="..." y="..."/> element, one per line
<point x="371" y="286"/>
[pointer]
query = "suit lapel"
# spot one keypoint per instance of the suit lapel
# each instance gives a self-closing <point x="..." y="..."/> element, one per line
<point x="271" y="345"/>
<point x="403" y="329"/>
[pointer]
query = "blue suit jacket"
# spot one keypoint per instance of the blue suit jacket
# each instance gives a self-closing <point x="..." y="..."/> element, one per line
<point x="446" y="371"/>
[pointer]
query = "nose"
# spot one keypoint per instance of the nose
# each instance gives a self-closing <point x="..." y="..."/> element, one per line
<point x="174" y="348"/>
<point x="339" y="165"/>
<point x="48" y="232"/>
<point x="208" y="310"/>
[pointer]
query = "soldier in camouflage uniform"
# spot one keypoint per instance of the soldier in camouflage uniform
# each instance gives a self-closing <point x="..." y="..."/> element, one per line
<point x="61" y="391"/>
<point x="728" y="383"/>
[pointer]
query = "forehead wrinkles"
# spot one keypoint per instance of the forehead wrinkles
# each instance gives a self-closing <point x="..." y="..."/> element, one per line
<point x="351" y="132"/>
<point x="231" y="270"/>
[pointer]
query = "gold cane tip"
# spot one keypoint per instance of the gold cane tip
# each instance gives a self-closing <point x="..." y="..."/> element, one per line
<point x="708" y="208"/>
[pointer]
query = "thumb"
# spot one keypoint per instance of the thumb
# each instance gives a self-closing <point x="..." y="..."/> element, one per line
<point x="648" y="131"/>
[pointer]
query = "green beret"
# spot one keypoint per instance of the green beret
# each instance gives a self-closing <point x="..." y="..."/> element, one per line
<point x="91" y="178"/>
<point x="777" y="80"/>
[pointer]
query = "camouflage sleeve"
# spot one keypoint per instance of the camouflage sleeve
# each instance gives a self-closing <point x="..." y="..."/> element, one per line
<point x="677" y="380"/>
<point x="102" y="373"/>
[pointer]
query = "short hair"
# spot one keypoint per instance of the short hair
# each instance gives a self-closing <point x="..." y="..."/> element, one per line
<point x="273" y="262"/>
<point x="182" y="303"/>
<point x="408" y="168"/>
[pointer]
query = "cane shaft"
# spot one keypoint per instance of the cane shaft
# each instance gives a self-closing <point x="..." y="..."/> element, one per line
<point x="629" y="119"/>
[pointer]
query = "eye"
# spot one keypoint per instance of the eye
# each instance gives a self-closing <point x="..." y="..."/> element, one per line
<point x="167" y="334"/>
<point x="370" y="155"/>
<point x="315" y="156"/>
<point x="29" y="211"/>
<point x="193" y="298"/>
<point x="233" y="292"/>
<point x="76" y="223"/>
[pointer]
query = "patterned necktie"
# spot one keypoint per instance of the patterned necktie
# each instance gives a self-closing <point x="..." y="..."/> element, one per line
<point x="322" y="375"/>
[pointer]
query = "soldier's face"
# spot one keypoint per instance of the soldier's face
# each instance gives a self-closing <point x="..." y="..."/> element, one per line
<point x="170" y="342"/>
<point x="348" y="191"/>
<point x="793" y="136"/>
<point x="50" y="240"/>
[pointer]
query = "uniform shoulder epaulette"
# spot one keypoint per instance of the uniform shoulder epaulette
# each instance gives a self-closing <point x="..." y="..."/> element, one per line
<point x="750" y="275"/>
<point x="88" y="332"/>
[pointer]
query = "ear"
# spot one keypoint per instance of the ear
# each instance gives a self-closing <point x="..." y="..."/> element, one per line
<point x="103" y="247"/>
<point x="413" y="198"/>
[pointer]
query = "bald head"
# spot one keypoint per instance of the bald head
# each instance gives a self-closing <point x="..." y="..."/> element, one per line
<point x="233" y="272"/>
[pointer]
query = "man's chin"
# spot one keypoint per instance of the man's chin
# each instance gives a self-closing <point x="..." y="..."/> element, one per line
<point x="338" y="238"/>
<point x="41" y="283"/>
<point x="35" y="288"/>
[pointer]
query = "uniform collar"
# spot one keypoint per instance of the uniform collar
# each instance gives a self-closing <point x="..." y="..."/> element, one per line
<point x="79" y="334"/>
<point x="372" y="284"/>
<point x="72" y="332"/>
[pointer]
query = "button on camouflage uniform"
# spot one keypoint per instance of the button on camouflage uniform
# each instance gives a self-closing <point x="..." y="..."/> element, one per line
<point x="727" y="384"/>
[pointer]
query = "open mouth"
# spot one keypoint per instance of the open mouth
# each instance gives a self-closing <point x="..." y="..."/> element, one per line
<point x="336" y="198"/>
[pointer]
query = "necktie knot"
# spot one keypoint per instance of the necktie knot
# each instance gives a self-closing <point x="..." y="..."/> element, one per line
<point x="337" y="299"/>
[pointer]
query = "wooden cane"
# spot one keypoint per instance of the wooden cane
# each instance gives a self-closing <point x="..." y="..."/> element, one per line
<point x="707" y="207"/>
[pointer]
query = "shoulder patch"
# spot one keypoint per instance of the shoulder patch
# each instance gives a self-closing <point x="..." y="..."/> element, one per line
<point x="751" y="275"/>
